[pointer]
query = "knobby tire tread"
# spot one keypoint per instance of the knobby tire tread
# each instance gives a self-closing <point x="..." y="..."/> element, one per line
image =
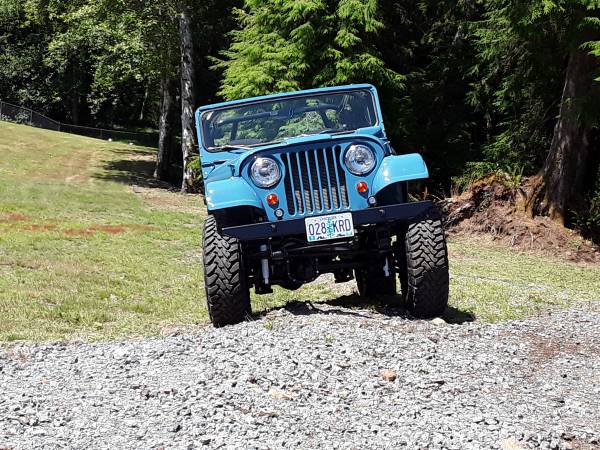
<point x="227" y="294"/>
<point x="427" y="273"/>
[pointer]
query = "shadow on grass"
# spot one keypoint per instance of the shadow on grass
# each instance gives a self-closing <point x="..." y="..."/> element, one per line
<point x="135" y="168"/>
<point x="354" y="305"/>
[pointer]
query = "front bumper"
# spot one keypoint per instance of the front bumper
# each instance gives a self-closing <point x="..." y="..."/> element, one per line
<point x="257" y="231"/>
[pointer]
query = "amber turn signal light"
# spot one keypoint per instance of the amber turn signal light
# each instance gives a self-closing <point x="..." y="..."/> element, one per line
<point x="362" y="187"/>
<point x="272" y="199"/>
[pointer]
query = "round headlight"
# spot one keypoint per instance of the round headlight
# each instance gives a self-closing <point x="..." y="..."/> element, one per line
<point x="359" y="159"/>
<point x="265" y="172"/>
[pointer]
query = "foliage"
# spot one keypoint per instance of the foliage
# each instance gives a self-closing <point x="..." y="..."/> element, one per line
<point x="518" y="83"/>
<point x="415" y="56"/>
<point x="100" y="62"/>
<point x="588" y="220"/>
<point x="510" y="175"/>
<point x="522" y="49"/>
<point x="9" y="11"/>
<point x="194" y="166"/>
<point x="23" y="79"/>
<point x="433" y="44"/>
<point x="287" y="45"/>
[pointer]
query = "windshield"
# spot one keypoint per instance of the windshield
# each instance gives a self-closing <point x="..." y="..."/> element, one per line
<point x="275" y="120"/>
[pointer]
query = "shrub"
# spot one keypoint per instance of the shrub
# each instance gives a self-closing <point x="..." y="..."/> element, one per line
<point x="587" y="221"/>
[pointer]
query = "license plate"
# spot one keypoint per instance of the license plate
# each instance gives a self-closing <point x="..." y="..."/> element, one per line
<point x="324" y="228"/>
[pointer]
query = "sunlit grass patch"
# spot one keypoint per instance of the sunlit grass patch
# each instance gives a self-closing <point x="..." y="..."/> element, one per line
<point x="495" y="283"/>
<point x="83" y="256"/>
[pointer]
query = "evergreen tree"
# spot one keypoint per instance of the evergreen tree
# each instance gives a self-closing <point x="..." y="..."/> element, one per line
<point x="287" y="45"/>
<point x="431" y="42"/>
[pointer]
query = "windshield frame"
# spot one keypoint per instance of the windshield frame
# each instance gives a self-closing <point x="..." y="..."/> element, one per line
<point x="225" y="148"/>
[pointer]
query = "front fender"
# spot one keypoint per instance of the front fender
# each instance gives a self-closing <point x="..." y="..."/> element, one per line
<point x="397" y="168"/>
<point x="230" y="193"/>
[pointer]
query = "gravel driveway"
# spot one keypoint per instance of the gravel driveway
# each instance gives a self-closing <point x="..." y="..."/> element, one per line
<point x="322" y="377"/>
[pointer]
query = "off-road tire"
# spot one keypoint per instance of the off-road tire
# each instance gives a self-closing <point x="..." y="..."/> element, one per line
<point x="424" y="276"/>
<point x="227" y="294"/>
<point x="373" y="283"/>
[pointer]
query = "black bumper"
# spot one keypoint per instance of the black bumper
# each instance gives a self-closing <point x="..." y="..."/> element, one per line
<point x="404" y="211"/>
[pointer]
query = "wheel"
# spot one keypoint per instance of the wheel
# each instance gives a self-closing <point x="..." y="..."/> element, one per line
<point x="424" y="267"/>
<point x="372" y="282"/>
<point x="227" y="294"/>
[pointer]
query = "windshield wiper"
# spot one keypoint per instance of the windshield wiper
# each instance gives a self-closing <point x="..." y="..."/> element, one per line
<point x="229" y="147"/>
<point x="327" y="131"/>
<point x="333" y="130"/>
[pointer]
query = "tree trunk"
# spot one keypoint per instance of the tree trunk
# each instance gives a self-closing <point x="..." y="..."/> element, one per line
<point x="187" y="98"/>
<point x="144" y="100"/>
<point x="166" y="129"/>
<point x="561" y="184"/>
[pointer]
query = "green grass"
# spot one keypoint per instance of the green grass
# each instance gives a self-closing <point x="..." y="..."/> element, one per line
<point x="495" y="283"/>
<point x="83" y="255"/>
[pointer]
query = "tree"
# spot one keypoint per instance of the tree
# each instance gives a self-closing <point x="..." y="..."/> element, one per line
<point x="565" y="171"/>
<point x="166" y="132"/>
<point x="70" y="51"/>
<point x="24" y="78"/>
<point x="84" y="61"/>
<point x="178" y="35"/>
<point x="188" y="96"/>
<point x="530" y="52"/>
<point x="431" y="42"/>
<point x="161" y="39"/>
<point x="116" y="62"/>
<point x="287" y="45"/>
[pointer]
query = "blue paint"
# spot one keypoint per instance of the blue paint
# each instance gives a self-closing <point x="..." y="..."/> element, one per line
<point x="231" y="192"/>
<point x="319" y="157"/>
<point x="395" y="169"/>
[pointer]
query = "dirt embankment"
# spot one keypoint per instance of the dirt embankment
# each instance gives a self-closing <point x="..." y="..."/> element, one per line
<point x="490" y="208"/>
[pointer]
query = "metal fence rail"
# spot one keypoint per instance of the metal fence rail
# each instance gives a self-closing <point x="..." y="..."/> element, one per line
<point x="26" y="116"/>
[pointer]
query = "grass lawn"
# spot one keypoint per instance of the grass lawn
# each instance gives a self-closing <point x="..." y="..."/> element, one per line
<point x="91" y="248"/>
<point x="495" y="283"/>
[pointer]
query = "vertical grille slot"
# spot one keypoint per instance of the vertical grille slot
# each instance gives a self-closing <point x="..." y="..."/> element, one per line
<point x="342" y="177"/>
<point x="324" y="175"/>
<point x="289" y="192"/>
<point x="332" y="168"/>
<point x="312" y="166"/>
<point x="305" y="181"/>
<point x="293" y="164"/>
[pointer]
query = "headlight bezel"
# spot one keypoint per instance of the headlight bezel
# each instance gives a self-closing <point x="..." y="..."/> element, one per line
<point x="353" y="148"/>
<point x="256" y="177"/>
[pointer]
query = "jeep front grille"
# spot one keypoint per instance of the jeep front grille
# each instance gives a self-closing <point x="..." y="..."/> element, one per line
<point x="315" y="181"/>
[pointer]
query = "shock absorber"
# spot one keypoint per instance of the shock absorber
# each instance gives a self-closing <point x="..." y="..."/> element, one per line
<point x="386" y="267"/>
<point x="264" y="264"/>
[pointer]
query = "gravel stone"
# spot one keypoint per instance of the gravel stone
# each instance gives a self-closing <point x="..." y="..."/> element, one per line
<point x="310" y="376"/>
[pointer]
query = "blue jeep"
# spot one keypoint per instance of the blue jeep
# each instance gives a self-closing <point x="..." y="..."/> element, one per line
<point x="306" y="183"/>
